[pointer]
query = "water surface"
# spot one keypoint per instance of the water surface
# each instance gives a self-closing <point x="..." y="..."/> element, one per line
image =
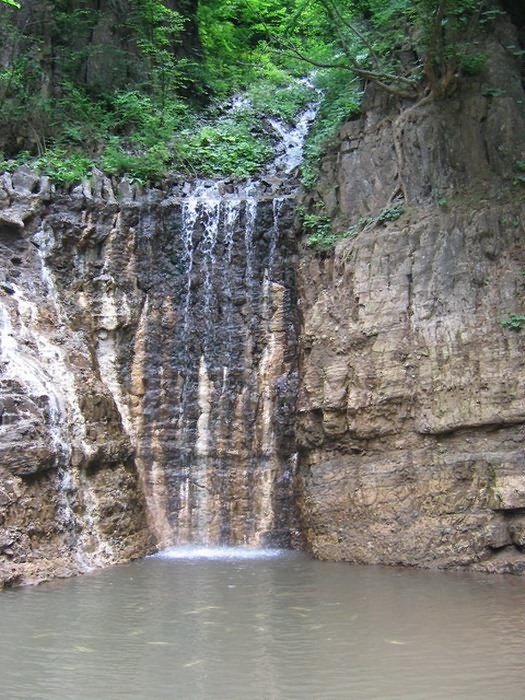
<point x="185" y="626"/>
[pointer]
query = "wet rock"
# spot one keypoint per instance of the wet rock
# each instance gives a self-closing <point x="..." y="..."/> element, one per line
<point x="130" y="377"/>
<point x="25" y="181"/>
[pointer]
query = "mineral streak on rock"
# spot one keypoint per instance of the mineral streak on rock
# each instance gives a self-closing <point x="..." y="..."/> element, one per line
<point x="70" y="499"/>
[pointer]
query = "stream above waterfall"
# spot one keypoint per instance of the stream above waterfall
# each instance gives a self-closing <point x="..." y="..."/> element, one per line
<point x="279" y="626"/>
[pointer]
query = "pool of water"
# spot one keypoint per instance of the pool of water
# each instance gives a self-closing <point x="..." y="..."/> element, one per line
<point x="228" y="625"/>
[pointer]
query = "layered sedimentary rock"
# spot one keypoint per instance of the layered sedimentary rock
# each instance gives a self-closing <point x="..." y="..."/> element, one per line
<point x="411" y="413"/>
<point x="148" y="370"/>
<point x="69" y="496"/>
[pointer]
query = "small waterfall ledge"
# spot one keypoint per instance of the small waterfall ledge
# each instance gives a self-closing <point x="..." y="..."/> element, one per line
<point x="148" y="367"/>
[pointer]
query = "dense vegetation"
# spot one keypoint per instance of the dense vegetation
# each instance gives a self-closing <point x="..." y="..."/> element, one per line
<point x="140" y="87"/>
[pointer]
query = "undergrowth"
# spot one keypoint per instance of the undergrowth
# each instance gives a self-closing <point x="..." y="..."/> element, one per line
<point x="320" y="234"/>
<point x="130" y="133"/>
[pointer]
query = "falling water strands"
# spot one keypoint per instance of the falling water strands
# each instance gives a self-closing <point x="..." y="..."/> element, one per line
<point x="189" y="217"/>
<point x="211" y="211"/>
<point x="221" y="476"/>
<point x="277" y="206"/>
<point x="230" y="355"/>
<point x="249" y="229"/>
<point x="292" y="139"/>
<point x="196" y="368"/>
<point x="231" y="218"/>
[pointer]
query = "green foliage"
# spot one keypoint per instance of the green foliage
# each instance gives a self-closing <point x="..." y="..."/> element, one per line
<point x="158" y="30"/>
<point x="317" y="226"/>
<point x="143" y="123"/>
<point x="232" y="145"/>
<point x="277" y="94"/>
<point x="318" y="229"/>
<point x="473" y="63"/>
<point x="145" y="115"/>
<point x="321" y="236"/>
<point x="149" y="166"/>
<point x="11" y="3"/>
<point x="493" y="92"/>
<point x="519" y="178"/>
<point x="515" y="322"/>
<point x="235" y="35"/>
<point x="64" y="168"/>
<point x="320" y="240"/>
<point x="391" y="213"/>
<point x="373" y="39"/>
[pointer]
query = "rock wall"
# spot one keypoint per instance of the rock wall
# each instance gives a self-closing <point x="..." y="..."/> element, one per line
<point x="411" y="411"/>
<point x="69" y="495"/>
<point x="148" y="351"/>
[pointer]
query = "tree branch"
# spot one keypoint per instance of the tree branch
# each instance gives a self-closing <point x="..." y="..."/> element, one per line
<point x="386" y="81"/>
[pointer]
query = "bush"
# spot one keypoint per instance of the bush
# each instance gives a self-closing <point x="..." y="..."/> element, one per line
<point x="280" y="96"/>
<point x="227" y="146"/>
<point x="63" y="167"/>
<point x="149" y="166"/>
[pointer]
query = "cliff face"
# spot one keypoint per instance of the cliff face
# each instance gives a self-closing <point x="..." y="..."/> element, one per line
<point x="411" y="411"/>
<point x="69" y="493"/>
<point x="148" y="350"/>
<point x="150" y="361"/>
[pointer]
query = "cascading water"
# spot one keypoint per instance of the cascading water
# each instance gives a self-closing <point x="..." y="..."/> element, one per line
<point x="151" y="337"/>
<point x="215" y="456"/>
<point x="216" y="446"/>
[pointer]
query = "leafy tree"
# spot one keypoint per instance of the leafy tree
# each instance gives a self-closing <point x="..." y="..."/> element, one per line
<point x="394" y="43"/>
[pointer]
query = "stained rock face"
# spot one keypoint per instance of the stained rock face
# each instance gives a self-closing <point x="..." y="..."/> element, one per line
<point x="69" y="496"/>
<point x="411" y="412"/>
<point x="148" y="352"/>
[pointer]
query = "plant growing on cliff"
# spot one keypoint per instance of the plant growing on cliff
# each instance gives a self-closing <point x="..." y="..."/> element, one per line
<point x="403" y="46"/>
<point x="64" y="167"/>
<point x="514" y="322"/>
<point x="342" y="93"/>
<point x="320" y="234"/>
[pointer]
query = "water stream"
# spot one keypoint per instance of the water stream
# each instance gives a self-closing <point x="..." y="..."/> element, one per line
<point x="236" y="624"/>
<point x="215" y="447"/>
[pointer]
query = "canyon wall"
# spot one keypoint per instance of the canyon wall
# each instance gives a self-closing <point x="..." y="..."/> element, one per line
<point x="148" y="352"/>
<point x="69" y="493"/>
<point x="411" y="409"/>
<point x="154" y="389"/>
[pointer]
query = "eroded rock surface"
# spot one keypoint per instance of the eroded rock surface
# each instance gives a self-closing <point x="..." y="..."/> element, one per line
<point x="69" y="494"/>
<point x="411" y="413"/>
<point x="148" y="355"/>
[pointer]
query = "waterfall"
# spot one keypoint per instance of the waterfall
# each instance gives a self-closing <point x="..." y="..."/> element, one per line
<point x="217" y="351"/>
<point x="220" y="366"/>
<point x="147" y="366"/>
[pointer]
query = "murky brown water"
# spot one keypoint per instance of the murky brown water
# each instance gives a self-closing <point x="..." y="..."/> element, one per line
<point x="283" y="628"/>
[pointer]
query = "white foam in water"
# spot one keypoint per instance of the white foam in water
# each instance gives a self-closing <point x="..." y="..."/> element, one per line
<point x="190" y="552"/>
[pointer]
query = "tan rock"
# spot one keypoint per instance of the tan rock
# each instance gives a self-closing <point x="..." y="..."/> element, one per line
<point x="411" y="416"/>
